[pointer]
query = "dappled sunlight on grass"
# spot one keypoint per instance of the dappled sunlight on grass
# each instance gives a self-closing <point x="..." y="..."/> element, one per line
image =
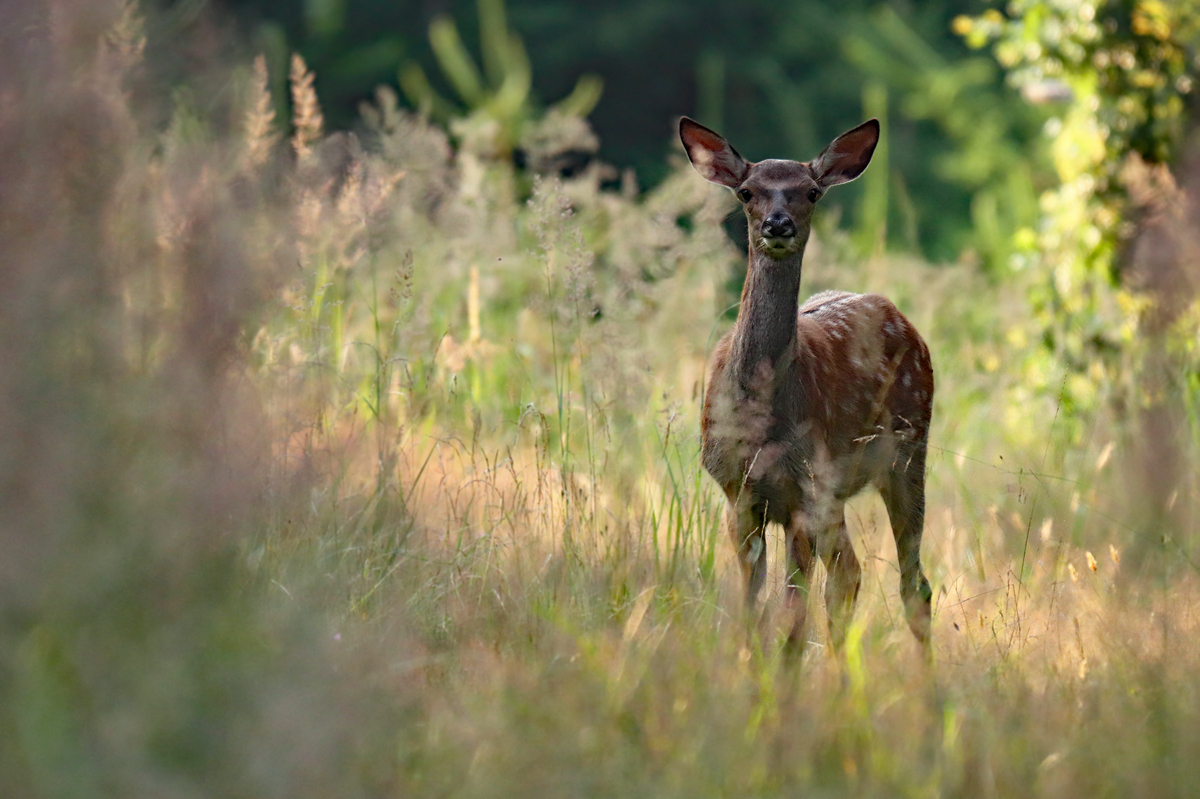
<point x="370" y="466"/>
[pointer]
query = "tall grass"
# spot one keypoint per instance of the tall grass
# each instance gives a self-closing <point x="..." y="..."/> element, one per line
<point x="368" y="465"/>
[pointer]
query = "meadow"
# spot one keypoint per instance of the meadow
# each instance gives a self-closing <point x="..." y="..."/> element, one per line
<point x="367" y="465"/>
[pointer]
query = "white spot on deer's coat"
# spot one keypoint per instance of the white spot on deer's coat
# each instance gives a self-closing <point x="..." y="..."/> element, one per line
<point x="907" y="381"/>
<point x="756" y="549"/>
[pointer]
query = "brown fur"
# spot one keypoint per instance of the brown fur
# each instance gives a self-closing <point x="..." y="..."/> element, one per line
<point x="807" y="405"/>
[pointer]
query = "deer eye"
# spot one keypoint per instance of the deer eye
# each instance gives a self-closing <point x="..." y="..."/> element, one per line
<point x="814" y="195"/>
<point x="745" y="195"/>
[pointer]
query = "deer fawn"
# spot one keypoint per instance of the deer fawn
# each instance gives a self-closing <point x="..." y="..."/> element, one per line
<point x="808" y="404"/>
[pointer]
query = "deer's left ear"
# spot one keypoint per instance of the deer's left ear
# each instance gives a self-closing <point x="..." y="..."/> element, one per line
<point x="847" y="156"/>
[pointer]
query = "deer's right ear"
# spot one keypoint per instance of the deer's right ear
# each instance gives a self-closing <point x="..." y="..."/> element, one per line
<point x="712" y="156"/>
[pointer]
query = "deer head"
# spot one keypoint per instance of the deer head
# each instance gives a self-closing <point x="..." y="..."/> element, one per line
<point x="779" y="196"/>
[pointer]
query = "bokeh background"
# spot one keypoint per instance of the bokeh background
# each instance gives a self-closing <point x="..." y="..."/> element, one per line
<point x="779" y="79"/>
<point x="350" y="363"/>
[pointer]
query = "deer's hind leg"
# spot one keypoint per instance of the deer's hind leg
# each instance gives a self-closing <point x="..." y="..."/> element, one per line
<point x="843" y="576"/>
<point x="904" y="495"/>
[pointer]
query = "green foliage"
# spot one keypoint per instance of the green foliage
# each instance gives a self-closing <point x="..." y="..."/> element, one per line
<point x="501" y="106"/>
<point x="991" y="134"/>
<point x="1133" y="61"/>
<point x="782" y="80"/>
<point x="1119" y="77"/>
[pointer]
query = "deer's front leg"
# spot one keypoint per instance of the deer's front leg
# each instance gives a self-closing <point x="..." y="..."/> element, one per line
<point x="801" y="550"/>
<point x="747" y="530"/>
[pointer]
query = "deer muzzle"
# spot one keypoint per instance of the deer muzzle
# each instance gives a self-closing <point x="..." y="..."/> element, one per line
<point x="778" y="226"/>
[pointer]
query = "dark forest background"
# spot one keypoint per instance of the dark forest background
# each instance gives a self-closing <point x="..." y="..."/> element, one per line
<point x="779" y="80"/>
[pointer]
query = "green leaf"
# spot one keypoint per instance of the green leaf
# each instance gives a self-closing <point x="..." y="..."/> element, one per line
<point x="493" y="38"/>
<point x="512" y="97"/>
<point x="583" y="97"/>
<point x="455" y="61"/>
<point x="420" y="93"/>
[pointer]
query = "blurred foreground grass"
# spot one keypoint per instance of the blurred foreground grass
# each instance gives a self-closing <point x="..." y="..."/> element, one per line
<point x="365" y="465"/>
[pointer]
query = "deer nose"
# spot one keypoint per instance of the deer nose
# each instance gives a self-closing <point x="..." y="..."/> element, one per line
<point x="778" y="226"/>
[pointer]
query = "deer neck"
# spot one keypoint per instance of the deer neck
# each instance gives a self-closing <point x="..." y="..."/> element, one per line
<point x="764" y="339"/>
